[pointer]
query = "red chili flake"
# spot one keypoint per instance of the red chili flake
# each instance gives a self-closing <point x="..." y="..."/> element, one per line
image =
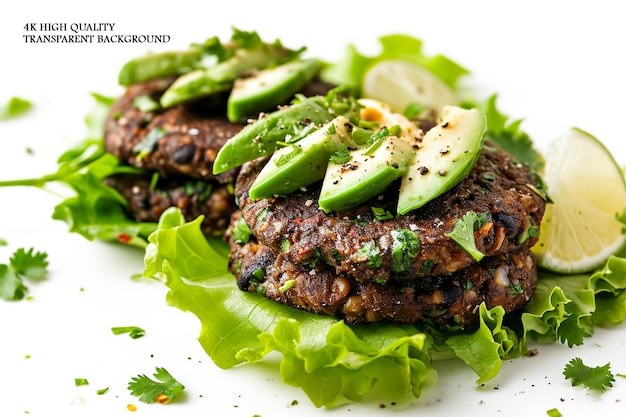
<point x="124" y="238"/>
<point x="162" y="398"/>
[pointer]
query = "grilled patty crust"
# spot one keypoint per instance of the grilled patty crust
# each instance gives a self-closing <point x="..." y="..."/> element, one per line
<point x="506" y="280"/>
<point x="498" y="188"/>
<point x="147" y="201"/>
<point x="181" y="140"/>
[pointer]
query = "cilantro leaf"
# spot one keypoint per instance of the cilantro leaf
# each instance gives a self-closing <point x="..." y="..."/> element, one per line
<point x="463" y="232"/>
<point x="597" y="378"/>
<point x="30" y="264"/>
<point x="12" y="288"/>
<point x="22" y="265"/>
<point x="149" y="391"/>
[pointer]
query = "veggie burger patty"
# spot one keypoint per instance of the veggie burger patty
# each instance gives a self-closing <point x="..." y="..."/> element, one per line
<point x="360" y="266"/>
<point x="177" y="144"/>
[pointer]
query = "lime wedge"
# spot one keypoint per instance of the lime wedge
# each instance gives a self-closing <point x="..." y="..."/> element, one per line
<point x="402" y="83"/>
<point x="580" y="229"/>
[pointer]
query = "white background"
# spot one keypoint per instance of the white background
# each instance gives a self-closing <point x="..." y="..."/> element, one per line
<point x="555" y="64"/>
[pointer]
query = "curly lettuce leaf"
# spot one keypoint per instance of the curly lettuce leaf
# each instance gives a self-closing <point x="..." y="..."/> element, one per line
<point x="484" y="349"/>
<point x="508" y="134"/>
<point x="566" y="308"/>
<point x="329" y="360"/>
<point x="349" y="71"/>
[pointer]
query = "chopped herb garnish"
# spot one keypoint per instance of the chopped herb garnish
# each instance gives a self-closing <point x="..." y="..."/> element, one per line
<point x="404" y="248"/>
<point x="295" y="151"/>
<point x="463" y="232"/>
<point x="102" y="391"/>
<point x="312" y="261"/>
<point x="147" y="144"/>
<point x="414" y="109"/>
<point x="376" y="140"/>
<point x="3" y="242"/>
<point x="427" y="265"/>
<point x="287" y="285"/>
<point x="263" y="214"/>
<point x="154" y="180"/>
<point x="530" y="233"/>
<point x="381" y="214"/>
<point x="133" y="331"/>
<point x="149" y="391"/>
<point x="145" y="103"/>
<point x="370" y="252"/>
<point x="341" y="156"/>
<point x="489" y="177"/>
<point x="336" y="255"/>
<point x="259" y="274"/>
<point x="285" y="246"/>
<point x="516" y="289"/>
<point x="598" y="378"/>
<point x="241" y="232"/>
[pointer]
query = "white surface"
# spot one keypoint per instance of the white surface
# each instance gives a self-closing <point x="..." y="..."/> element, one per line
<point x="554" y="64"/>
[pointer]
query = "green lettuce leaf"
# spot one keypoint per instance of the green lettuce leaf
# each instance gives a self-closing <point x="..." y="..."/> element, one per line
<point x="330" y="361"/>
<point x="95" y="210"/>
<point x="333" y="362"/>
<point x="508" y="134"/>
<point x="484" y="349"/>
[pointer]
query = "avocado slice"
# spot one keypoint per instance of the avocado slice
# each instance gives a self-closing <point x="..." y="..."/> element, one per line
<point x="446" y="155"/>
<point x="303" y="162"/>
<point x="367" y="174"/>
<point x="259" y="138"/>
<point x="268" y="88"/>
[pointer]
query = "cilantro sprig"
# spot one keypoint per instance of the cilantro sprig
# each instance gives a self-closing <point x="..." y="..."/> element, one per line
<point x="164" y="390"/>
<point x="23" y="265"/>
<point x="598" y="378"/>
<point x="463" y="232"/>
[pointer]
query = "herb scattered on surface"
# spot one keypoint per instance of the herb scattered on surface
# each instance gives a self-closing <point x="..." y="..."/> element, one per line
<point x="15" y="107"/>
<point x="23" y="265"/>
<point x="133" y="331"/>
<point x="150" y="391"/>
<point x="80" y="381"/>
<point x="597" y="378"/>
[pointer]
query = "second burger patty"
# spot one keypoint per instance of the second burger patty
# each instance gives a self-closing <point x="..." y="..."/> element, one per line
<point x="323" y="262"/>
<point x="498" y="188"/>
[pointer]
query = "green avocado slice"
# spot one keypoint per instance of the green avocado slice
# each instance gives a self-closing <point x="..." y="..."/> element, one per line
<point x="366" y="175"/>
<point x="260" y="138"/>
<point x="446" y="155"/>
<point x="303" y="162"/>
<point x="268" y="88"/>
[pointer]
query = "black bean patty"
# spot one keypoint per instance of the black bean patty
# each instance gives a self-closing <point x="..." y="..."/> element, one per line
<point x="190" y="135"/>
<point x="506" y="280"/>
<point x="498" y="188"/>
<point x="147" y="201"/>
